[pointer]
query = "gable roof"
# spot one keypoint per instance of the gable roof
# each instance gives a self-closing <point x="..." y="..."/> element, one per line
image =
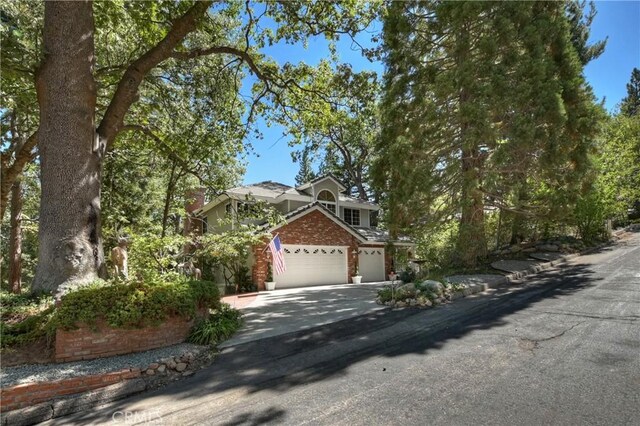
<point x="328" y="176"/>
<point x="316" y="206"/>
<point x="277" y="192"/>
<point x="381" y="236"/>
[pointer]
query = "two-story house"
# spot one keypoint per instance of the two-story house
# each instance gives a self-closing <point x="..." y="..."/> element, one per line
<point x="327" y="234"/>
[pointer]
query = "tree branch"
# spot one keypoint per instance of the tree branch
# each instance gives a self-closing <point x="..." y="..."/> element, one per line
<point x="127" y="91"/>
<point x="24" y="153"/>
<point x="166" y="149"/>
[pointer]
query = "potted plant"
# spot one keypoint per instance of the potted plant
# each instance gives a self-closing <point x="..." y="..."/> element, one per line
<point x="270" y="284"/>
<point x="357" y="278"/>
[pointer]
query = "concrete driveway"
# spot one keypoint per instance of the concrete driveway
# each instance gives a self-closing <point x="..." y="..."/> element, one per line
<point x="278" y="312"/>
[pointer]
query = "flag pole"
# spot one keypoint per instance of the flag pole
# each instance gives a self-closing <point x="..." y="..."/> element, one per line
<point x="267" y="246"/>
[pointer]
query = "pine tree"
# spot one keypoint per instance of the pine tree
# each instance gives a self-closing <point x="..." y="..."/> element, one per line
<point x="631" y="103"/>
<point x="305" y="173"/>
<point x="580" y="21"/>
<point x="480" y="99"/>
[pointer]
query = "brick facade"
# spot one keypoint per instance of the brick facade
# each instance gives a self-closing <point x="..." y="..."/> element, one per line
<point x="88" y="343"/>
<point x="28" y="394"/>
<point x="314" y="228"/>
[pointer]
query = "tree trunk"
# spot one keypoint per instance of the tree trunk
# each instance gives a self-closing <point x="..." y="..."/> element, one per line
<point x="70" y="242"/>
<point x="24" y="154"/>
<point x="167" y="200"/>
<point x="15" y="238"/>
<point x="519" y="220"/>
<point x="472" y="242"/>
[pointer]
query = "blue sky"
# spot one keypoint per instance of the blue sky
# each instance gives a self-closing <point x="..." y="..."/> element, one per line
<point x="608" y="75"/>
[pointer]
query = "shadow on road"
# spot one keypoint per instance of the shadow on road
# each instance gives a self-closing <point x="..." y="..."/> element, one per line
<point x="281" y="363"/>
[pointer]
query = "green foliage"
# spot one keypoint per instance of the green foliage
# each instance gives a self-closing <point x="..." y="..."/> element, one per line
<point x="135" y="304"/>
<point x="17" y="305"/>
<point x="151" y="257"/>
<point x="436" y="244"/>
<point x="122" y="305"/>
<point x="618" y="181"/>
<point x="230" y="249"/>
<point x="408" y="275"/>
<point x="25" y="318"/>
<point x="243" y="280"/>
<point x="385" y="293"/>
<point x="579" y="25"/>
<point x="420" y="292"/>
<point x="339" y="124"/>
<point x="221" y="324"/>
<point x="454" y="287"/>
<point x="269" y="272"/>
<point x="483" y="103"/>
<point x="589" y="218"/>
<point x="630" y="105"/>
<point x="31" y="329"/>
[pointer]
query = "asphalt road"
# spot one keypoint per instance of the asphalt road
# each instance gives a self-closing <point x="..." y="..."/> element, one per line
<point x="561" y="348"/>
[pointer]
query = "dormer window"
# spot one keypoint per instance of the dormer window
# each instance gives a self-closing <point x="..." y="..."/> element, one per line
<point x="327" y="199"/>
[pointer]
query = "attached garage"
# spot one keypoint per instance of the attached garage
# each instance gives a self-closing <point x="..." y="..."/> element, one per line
<point x="309" y="265"/>
<point x="371" y="264"/>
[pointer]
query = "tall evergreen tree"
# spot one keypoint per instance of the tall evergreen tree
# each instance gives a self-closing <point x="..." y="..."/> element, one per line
<point x="580" y="20"/>
<point x="631" y="103"/>
<point x="305" y="173"/>
<point x="478" y="98"/>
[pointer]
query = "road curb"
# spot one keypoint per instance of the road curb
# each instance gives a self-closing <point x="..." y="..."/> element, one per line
<point x="514" y="276"/>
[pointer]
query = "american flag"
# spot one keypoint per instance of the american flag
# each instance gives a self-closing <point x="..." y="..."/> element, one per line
<point x="277" y="254"/>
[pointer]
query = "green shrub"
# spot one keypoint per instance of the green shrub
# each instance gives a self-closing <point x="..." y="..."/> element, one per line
<point x="16" y="305"/>
<point x="436" y="245"/>
<point x="385" y="294"/>
<point x="25" y="318"/>
<point x="220" y="325"/>
<point x="135" y="304"/>
<point x="589" y="218"/>
<point x="32" y="328"/>
<point x="408" y="275"/>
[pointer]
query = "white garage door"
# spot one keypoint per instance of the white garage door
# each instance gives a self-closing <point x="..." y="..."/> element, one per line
<point x="313" y="265"/>
<point x="371" y="264"/>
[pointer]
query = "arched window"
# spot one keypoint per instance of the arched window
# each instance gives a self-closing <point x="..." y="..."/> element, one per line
<point x="327" y="199"/>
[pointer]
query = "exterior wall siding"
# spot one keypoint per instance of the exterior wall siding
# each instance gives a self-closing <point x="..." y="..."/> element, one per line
<point x="216" y="214"/>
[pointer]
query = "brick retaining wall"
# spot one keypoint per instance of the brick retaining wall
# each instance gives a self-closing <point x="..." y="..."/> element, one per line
<point x="28" y="394"/>
<point x="88" y="343"/>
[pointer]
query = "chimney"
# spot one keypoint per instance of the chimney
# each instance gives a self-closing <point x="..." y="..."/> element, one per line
<point x="195" y="201"/>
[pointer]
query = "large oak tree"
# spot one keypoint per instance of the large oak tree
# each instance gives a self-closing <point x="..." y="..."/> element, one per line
<point x="73" y="138"/>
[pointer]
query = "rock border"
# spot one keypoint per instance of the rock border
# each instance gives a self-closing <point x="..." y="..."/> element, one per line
<point x="474" y="288"/>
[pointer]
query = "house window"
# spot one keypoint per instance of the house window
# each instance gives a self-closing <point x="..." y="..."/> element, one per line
<point x="352" y="216"/>
<point x="205" y="225"/>
<point x="227" y="208"/>
<point x="328" y="200"/>
<point x="373" y="219"/>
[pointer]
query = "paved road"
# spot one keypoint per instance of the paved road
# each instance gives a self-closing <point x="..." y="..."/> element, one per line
<point x="563" y="348"/>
